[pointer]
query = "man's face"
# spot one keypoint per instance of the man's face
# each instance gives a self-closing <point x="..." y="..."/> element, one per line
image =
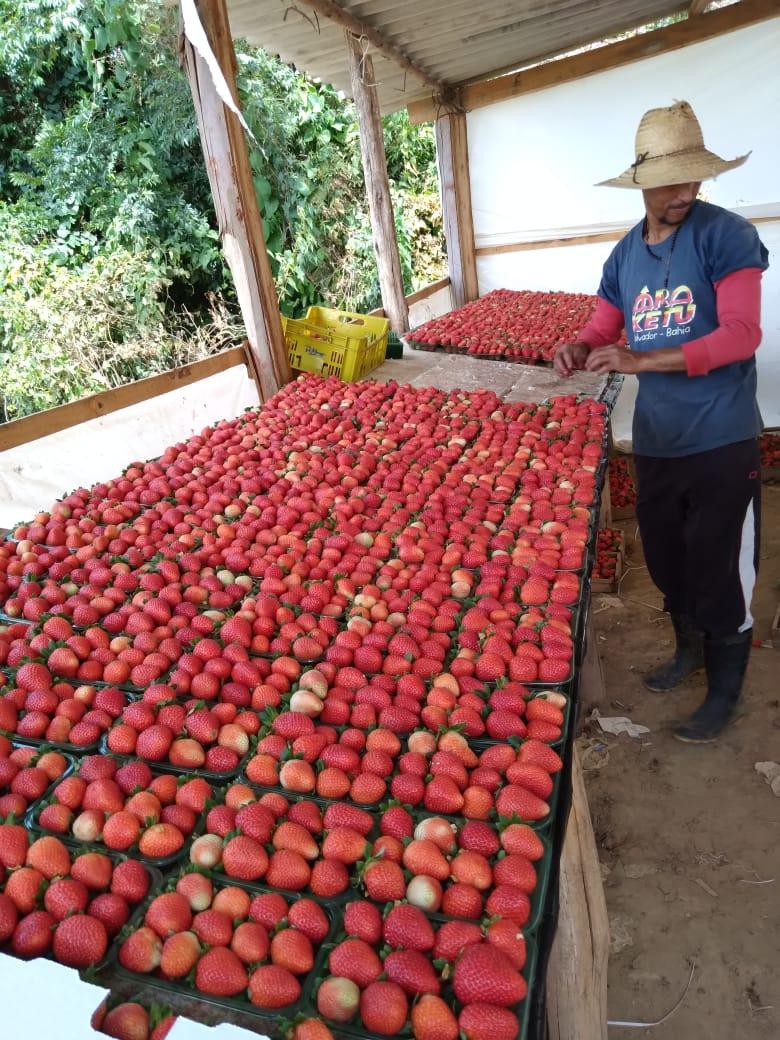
<point x="671" y="204"/>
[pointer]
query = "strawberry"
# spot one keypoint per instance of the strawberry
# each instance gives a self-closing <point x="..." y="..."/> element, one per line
<point x="94" y="869"/>
<point x="9" y="915"/>
<point x="486" y="975"/>
<point x="50" y="857"/>
<point x="384" y="1008"/>
<point x="121" y="830"/>
<point x="356" y="960"/>
<point x="338" y="999"/>
<point x="534" y="752"/>
<point x="293" y="950"/>
<point x="462" y="900"/>
<point x="329" y="877"/>
<point x="112" y="910"/>
<point x="472" y="868"/>
<point x="33" y="934"/>
<point x="169" y="913"/>
<point x="220" y="973"/>
<point x="23" y="887"/>
<point x="141" y="951"/>
<point x="271" y="986"/>
<point x="488" y="1022"/>
<point x="432" y="1019"/>
<point x="291" y="836"/>
<point x="65" y="896"/>
<point x="311" y="1029"/>
<point x="344" y="844"/>
<point x="80" y="941"/>
<point x="516" y="870"/>
<point x="362" y="920"/>
<point x="453" y="937"/>
<point x="130" y="1021"/>
<point x="513" y="800"/>
<point x="384" y="881"/>
<point x="14" y="843"/>
<point x="396" y="822"/>
<point x="413" y="972"/>
<point x="213" y="928"/>
<point x="130" y="880"/>
<point x="520" y="838"/>
<point x="233" y="901"/>
<point x="309" y="918"/>
<point x="477" y="836"/>
<point x="442" y="795"/>
<point x="287" y="870"/>
<point x="422" y="856"/>
<point x="250" y="942"/>
<point x="197" y="890"/>
<point x="244" y="858"/>
<point x="507" y="936"/>
<point x="268" y="909"/>
<point x="406" y="927"/>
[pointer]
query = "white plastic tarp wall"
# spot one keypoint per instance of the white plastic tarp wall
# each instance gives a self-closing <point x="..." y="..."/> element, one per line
<point x="534" y="161"/>
<point x="34" y="475"/>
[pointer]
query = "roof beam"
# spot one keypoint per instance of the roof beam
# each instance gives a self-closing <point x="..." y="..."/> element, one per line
<point x="698" y="6"/>
<point x="335" y="13"/>
<point x="562" y="70"/>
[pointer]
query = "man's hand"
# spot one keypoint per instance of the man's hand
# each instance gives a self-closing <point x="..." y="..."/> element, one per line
<point x="613" y="359"/>
<point x="569" y="357"/>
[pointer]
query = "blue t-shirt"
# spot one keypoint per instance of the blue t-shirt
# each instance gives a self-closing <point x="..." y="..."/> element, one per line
<point x="677" y="414"/>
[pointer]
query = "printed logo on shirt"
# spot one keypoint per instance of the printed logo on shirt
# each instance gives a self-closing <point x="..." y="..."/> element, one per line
<point x="671" y="310"/>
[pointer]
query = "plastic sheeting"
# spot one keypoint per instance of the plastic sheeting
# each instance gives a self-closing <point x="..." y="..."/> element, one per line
<point x="34" y="475"/>
<point x="535" y="160"/>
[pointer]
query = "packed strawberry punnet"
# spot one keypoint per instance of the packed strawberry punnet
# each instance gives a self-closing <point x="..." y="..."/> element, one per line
<point x="509" y="325"/>
<point x="283" y="711"/>
<point x="622" y="489"/>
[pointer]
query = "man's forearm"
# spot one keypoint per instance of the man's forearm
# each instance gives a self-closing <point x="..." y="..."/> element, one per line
<point x="667" y="359"/>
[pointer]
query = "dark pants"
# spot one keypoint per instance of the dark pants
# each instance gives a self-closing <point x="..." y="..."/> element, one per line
<point x="699" y="518"/>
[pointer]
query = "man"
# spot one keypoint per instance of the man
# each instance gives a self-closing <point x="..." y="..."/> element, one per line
<point x="686" y="285"/>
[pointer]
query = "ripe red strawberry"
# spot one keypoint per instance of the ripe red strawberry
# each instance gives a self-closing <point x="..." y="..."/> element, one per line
<point x="250" y="942"/>
<point x="384" y="1008"/>
<point x="112" y="910"/>
<point x="287" y="870"/>
<point x="413" y="972"/>
<point x="407" y="928"/>
<point x="453" y="937"/>
<point x="356" y="960"/>
<point x="50" y="857"/>
<point x="509" y="901"/>
<point x="477" y="836"/>
<point x="462" y="900"/>
<point x="362" y="920"/>
<point x="141" y="951"/>
<point x="130" y="880"/>
<point x="128" y="1021"/>
<point x="220" y="973"/>
<point x="80" y="941"/>
<point x="293" y="950"/>
<point x="65" y="896"/>
<point x="432" y="1019"/>
<point x="508" y="937"/>
<point x="513" y="800"/>
<point x="486" y="975"/>
<point x="169" y="913"/>
<point x="488" y="1022"/>
<point x="516" y="870"/>
<point x="14" y="843"/>
<point x="271" y="986"/>
<point x="534" y="752"/>
<point x="442" y="795"/>
<point x="309" y="918"/>
<point x="384" y="881"/>
<point x="291" y="836"/>
<point x="244" y="858"/>
<point x="9" y="915"/>
<point x="268" y="909"/>
<point x="94" y="869"/>
<point x="521" y="839"/>
<point x="33" y="934"/>
<point x="396" y="822"/>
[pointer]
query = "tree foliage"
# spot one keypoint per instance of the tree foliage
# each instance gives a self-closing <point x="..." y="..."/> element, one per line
<point x="111" y="263"/>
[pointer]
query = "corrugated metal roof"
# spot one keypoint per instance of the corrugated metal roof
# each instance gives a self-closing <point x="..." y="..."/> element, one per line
<point x="452" y="40"/>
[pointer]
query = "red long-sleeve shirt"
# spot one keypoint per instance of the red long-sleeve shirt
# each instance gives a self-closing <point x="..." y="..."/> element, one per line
<point x="738" y="302"/>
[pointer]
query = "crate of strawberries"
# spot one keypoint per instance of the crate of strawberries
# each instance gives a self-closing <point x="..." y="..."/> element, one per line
<point x="608" y="568"/>
<point x="622" y="487"/>
<point x="769" y="443"/>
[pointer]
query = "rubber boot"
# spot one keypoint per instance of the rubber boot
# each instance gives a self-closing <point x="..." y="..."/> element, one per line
<point x="725" y="661"/>
<point x="688" y="657"/>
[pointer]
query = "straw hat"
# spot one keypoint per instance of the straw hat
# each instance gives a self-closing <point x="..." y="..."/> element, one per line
<point x="670" y="150"/>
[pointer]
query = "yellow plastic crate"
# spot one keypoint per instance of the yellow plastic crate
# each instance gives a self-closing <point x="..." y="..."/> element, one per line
<point x="336" y="343"/>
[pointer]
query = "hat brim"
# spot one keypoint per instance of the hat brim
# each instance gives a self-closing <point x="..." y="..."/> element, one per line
<point x="699" y="165"/>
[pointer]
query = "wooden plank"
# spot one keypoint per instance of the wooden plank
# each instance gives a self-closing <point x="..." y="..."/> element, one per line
<point x="336" y="13"/>
<point x="31" y="427"/>
<point x="416" y="297"/>
<point x="698" y="6"/>
<point x="581" y="240"/>
<point x="235" y="201"/>
<point x="692" y="30"/>
<point x="380" y="203"/>
<point x="453" y="156"/>
<point x="577" y="968"/>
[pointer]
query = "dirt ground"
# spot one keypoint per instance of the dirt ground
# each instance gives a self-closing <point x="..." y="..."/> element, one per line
<point x="689" y="838"/>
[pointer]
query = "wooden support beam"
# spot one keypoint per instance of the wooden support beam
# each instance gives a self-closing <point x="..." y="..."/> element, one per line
<point x="691" y="30"/>
<point x="453" y="155"/>
<point x="52" y="420"/>
<point x="235" y="200"/>
<point x="577" y="968"/>
<point x="336" y="13"/>
<point x="698" y="6"/>
<point x="380" y="204"/>
<point x="418" y="296"/>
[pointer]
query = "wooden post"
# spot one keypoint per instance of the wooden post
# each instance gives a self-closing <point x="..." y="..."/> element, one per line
<point x="380" y="205"/>
<point x="235" y="201"/>
<point x="453" y="152"/>
<point x="577" y="968"/>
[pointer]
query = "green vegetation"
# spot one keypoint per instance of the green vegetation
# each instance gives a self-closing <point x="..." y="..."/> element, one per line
<point x="110" y="267"/>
